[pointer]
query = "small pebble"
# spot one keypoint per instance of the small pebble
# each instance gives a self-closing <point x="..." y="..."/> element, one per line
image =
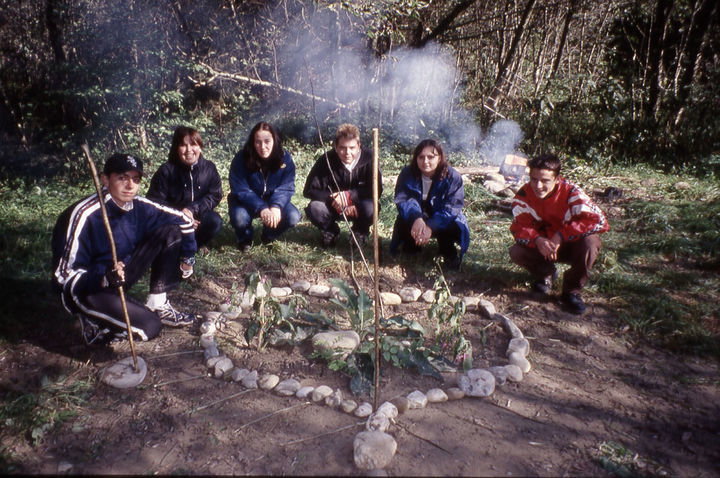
<point x="303" y="392"/>
<point x="417" y="399"/>
<point x="238" y="374"/>
<point x="334" y="400"/>
<point x="287" y="387"/>
<point x="388" y="409"/>
<point x="454" y="393"/>
<point x="436" y="395"/>
<point x="250" y="380"/>
<point x="514" y="373"/>
<point x="348" y="406"/>
<point x="517" y="359"/>
<point x="223" y="365"/>
<point x="268" y="381"/>
<point x="363" y="410"/>
<point x="321" y="393"/>
<point x="377" y="422"/>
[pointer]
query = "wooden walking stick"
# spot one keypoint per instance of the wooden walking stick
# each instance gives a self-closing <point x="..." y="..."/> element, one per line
<point x="376" y="251"/>
<point x="113" y="252"/>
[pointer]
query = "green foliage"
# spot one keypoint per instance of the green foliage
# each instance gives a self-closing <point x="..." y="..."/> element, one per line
<point x="622" y="462"/>
<point x="33" y="415"/>
<point x="358" y="307"/>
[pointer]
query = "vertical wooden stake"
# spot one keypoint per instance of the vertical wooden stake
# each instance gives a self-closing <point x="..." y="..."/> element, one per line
<point x="376" y="250"/>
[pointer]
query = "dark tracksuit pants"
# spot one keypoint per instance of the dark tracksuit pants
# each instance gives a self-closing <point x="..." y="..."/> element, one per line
<point x="161" y="251"/>
<point x="580" y="254"/>
<point x="446" y="238"/>
<point x="323" y="216"/>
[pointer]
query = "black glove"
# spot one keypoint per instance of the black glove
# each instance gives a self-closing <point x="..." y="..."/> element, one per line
<point x="113" y="279"/>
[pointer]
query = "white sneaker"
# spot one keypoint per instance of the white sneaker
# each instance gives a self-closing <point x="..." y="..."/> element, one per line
<point x="172" y="317"/>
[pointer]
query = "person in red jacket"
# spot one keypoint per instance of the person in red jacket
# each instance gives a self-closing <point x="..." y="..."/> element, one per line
<point x="555" y="221"/>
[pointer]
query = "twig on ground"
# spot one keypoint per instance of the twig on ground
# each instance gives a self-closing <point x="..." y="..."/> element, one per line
<point x="294" y="442"/>
<point x="405" y="428"/>
<point x="179" y="380"/>
<point x="184" y="352"/>
<point x="271" y="414"/>
<point x="190" y="412"/>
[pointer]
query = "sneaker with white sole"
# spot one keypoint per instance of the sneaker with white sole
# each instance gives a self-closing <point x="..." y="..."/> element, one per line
<point x="92" y="333"/>
<point x="173" y="317"/>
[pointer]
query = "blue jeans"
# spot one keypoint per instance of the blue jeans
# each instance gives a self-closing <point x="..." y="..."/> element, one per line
<point x="241" y="220"/>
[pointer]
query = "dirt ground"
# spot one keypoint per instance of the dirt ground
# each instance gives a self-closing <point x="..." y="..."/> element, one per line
<point x="590" y="388"/>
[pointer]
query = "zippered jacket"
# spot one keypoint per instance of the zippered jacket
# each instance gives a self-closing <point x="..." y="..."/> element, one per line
<point x="319" y="183"/>
<point x="445" y="202"/>
<point x="81" y="249"/>
<point x="255" y="192"/>
<point x="197" y="187"/>
<point x="567" y="211"/>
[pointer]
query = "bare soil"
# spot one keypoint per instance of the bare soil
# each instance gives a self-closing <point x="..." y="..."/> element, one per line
<point x="590" y="386"/>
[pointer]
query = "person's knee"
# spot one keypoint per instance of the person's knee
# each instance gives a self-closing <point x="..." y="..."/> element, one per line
<point x="239" y="217"/>
<point x="517" y="253"/>
<point x="152" y="329"/>
<point x="213" y="221"/>
<point x="293" y="217"/>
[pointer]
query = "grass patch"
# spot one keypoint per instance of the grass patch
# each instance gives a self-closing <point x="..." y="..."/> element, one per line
<point x="622" y="462"/>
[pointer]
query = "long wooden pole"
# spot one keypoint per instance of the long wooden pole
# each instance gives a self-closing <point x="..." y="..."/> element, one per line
<point x="113" y="251"/>
<point x="376" y="250"/>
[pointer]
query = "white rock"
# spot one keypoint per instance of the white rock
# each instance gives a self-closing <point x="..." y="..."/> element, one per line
<point x="436" y="395"/>
<point x="363" y="410"/>
<point x="280" y="292"/>
<point x="208" y="341"/>
<point x="207" y="328"/>
<point x="519" y="345"/>
<point x="471" y="302"/>
<point x="301" y="286"/>
<point x="303" y="392"/>
<point x="321" y="393"/>
<point x="429" y="296"/>
<point x="340" y="343"/>
<point x="224" y="307"/>
<point x="287" y="387"/>
<point x="318" y="290"/>
<point x="238" y="374"/>
<point x="509" y="326"/>
<point x="486" y="308"/>
<point x="494" y="187"/>
<point x="388" y="409"/>
<point x="497" y="177"/>
<point x="223" y="365"/>
<point x="212" y="361"/>
<point x="517" y="359"/>
<point x="250" y="380"/>
<point x="390" y="298"/>
<point x="373" y="450"/>
<point x="260" y="290"/>
<point x="500" y="374"/>
<point x="417" y="399"/>
<point x="409" y="294"/>
<point x="334" y="400"/>
<point x="348" y="406"/>
<point x="268" y="381"/>
<point x="233" y="312"/>
<point x="454" y="393"/>
<point x="246" y="300"/>
<point x="477" y="383"/>
<point x="335" y="292"/>
<point x="515" y="374"/>
<point x="211" y="352"/>
<point x="377" y="422"/>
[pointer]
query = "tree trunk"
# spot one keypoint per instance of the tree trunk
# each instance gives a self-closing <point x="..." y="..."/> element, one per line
<point x="655" y="53"/>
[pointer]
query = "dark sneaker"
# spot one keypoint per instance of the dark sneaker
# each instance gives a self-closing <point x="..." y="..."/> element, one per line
<point x="244" y="246"/>
<point x="452" y="263"/>
<point x="573" y="303"/>
<point x="173" y="317"/>
<point x="542" y="286"/>
<point x="92" y="333"/>
<point x="329" y="239"/>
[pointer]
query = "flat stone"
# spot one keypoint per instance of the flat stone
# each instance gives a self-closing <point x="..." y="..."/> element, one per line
<point x="212" y="361"/>
<point x="287" y="387"/>
<point x="321" y="393"/>
<point x="494" y="187"/>
<point x="519" y="345"/>
<point x="348" y="406"/>
<point x="509" y="326"/>
<point x="363" y="410"/>
<point x="409" y="294"/>
<point x="318" y="290"/>
<point x="301" y="286"/>
<point x="335" y="399"/>
<point x="429" y="296"/>
<point x="471" y="302"/>
<point x="377" y="422"/>
<point x="250" y="380"/>
<point x="238" y="374"/>
<point x="223" y="365"/>
<point x="373" y="450"/>
<point x="303" y="392"/>
<point x="401" y="403"/>
<point x="477" y="382"/>
<point x="454" y="393"/>
<point x="417" y="399"/>
<point x="208" y="341"/>
<point x="122" y="374"/>
<point x="390" y="298"/>
<point x="340" y="343"/>
<point x="279" y="292"/>
<point x="514" y="373"/>
<point x="268" y="381"/>
<point x="436" y="395"/>
<point x="486" y="308"/>
<point x="517" y="359"/>
<point x="207" y="327"/>
<point x="388" y="409"/>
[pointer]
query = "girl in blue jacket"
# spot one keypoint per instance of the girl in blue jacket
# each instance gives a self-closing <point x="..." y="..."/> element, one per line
<point x="429" y="196"/>
<point x="262" y="182"/>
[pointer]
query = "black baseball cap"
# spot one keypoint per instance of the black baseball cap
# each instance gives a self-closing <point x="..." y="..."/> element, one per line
<point x="120" y="163"/>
